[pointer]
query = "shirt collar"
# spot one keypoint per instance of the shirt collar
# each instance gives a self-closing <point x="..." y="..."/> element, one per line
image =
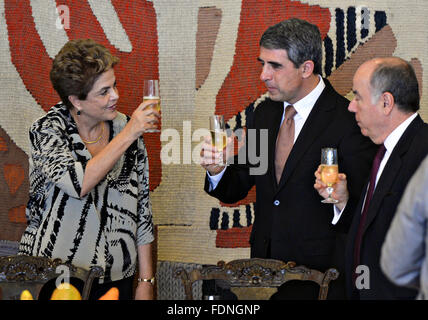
<point x="305" y="105"/>
<point x="395" y="135"/>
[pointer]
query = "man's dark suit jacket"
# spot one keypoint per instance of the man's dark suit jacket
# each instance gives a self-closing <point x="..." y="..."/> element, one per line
<point x="291" y="223"/>
<point x="409" y="152"/>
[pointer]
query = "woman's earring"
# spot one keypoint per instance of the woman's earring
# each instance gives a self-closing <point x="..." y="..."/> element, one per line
<point x="78" y="112"/>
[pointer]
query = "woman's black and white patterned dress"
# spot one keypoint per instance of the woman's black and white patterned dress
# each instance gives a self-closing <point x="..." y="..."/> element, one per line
<point x="102" y="228"/>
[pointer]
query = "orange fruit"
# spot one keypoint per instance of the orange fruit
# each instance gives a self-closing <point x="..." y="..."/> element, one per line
<point x="66" y="291"/>
<point x="112" y="294"/>
<point x="26" y="295"/>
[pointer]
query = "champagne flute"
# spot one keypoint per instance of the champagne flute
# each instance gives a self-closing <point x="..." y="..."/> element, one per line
<point x="218" y="133"/>
<point x="151" y="92"/>
<point x="329" y="171"/>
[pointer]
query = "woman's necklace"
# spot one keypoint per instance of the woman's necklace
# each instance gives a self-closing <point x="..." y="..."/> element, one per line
<point x="97" y="139"/>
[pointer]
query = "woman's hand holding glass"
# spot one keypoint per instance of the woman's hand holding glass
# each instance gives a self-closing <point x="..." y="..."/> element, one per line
<point x="145" y="118"/>
<point x="151" y="92"/>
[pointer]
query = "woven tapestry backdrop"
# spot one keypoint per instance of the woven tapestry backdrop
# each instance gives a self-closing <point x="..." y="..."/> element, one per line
<point x="204" y="53"/>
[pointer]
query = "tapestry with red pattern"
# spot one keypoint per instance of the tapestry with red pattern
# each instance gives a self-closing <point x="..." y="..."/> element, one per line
<point x="205" y="56"/>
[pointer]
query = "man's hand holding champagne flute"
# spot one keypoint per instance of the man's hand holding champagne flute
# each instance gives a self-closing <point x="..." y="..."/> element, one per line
<point x="216" y="148"/>
<point x="329" y="183"/>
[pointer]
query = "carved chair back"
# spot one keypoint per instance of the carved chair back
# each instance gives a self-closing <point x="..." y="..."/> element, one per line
<point x="18" y="273"/>
<point x="256" y="279"/>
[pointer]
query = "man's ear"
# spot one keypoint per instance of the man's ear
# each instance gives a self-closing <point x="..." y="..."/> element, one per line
<point x="307" y="68"/>
<point x="388" y="102"/>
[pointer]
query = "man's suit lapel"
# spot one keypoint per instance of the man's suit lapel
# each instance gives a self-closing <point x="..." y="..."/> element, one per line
<point x="391" y="170"/>
<point x="318" y="120"/>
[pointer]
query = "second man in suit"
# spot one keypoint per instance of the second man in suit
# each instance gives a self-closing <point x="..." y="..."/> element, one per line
<point x="302" y="114"/>
<point x="385" y="106"/>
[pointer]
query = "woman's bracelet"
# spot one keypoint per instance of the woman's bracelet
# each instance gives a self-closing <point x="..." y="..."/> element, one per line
<point x="150" y="280"/>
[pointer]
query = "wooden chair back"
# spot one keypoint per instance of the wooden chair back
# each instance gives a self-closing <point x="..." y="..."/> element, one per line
<point x="19" y="272"/>
<point x="256" y="279"/>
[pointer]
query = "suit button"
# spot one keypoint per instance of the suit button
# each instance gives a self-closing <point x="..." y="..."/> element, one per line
<point x="276" y="202"/>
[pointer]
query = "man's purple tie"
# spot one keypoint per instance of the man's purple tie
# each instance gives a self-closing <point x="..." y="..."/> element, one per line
<point x="285" y="141"/>
<point x="357" y="245"/>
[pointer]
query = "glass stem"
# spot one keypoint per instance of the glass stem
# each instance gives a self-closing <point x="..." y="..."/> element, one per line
<point x="329" y="191"/>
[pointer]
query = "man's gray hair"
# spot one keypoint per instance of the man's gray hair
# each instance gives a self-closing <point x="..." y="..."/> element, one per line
<point x="396" y="76"/>
<point x="301" y="40"/>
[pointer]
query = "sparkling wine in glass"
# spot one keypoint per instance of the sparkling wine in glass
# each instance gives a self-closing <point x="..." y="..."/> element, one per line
<point x="329" y="171"/>
<point x="151" y="92"/>
<point x="218" y="133"/>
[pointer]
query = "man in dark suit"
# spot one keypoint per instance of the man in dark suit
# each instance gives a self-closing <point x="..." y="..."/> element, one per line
<point x="291" y="223"/>
<point x="385" y="106"/>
